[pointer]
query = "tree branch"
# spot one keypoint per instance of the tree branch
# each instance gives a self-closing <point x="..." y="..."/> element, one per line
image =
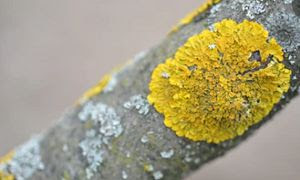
<point x="118" y="135"/>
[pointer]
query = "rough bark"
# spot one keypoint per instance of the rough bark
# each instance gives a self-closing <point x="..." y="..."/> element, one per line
<point x="146" y="149"/>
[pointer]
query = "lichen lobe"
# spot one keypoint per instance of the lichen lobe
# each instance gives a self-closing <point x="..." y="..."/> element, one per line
<point x="220" y="82"/>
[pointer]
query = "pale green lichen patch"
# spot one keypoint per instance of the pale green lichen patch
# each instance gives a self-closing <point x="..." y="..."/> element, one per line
<point x="167" y="154"/>
<point x="220" y="83"/>
<point x="106" y="127"/>
<point x="103" y="116"/>
<point x="139" y="103"/>
<point x="92" y="150"/>
<point x="158" y="175"/>
<point x="288" y="1"/>
<point x="253" y="8"/>
<point x="24" y="161"/>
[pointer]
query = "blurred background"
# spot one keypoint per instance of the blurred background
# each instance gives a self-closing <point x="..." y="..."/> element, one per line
<point x="52" y="51"/>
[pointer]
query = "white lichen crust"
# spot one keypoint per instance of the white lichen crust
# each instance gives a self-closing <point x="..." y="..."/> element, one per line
<point x="139" y="103"/>
<point x="158" y="175"/>
<point x="106" y="126"/>
<point x="253" y="8"/>
<point x="288" y="1"/>
<point x="92" y="150"/>
<point x="26" y="160"/>
<point x="104" y="116"/>
<point x="167" y="154"/>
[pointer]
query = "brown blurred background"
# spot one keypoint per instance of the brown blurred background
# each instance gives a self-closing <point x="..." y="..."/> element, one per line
<point x="51" y="51"/>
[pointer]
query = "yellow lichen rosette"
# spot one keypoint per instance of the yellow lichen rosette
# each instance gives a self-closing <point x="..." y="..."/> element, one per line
<point x="220" y="82"/>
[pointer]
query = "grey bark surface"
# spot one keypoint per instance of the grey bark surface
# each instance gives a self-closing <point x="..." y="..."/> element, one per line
<point x="146" y="149"/>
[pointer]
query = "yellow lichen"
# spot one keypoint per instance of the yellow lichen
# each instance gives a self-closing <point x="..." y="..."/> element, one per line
<point x="6" y="176"/>
<point x="220" y="83"/>
<point x="191" y="16"/>
<point x="97" y="89"/>
<point x="5" y="160"/>
<point x="148" y="167"/>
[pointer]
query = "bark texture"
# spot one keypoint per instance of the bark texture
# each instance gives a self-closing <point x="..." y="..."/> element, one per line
<point x="137" y="145"/>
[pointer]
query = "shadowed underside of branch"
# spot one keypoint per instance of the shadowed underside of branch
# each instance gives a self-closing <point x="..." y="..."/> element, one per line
<point x="118" y="135"/>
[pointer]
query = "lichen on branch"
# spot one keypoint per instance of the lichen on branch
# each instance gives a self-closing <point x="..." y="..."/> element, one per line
<point x="220" y="82"/>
